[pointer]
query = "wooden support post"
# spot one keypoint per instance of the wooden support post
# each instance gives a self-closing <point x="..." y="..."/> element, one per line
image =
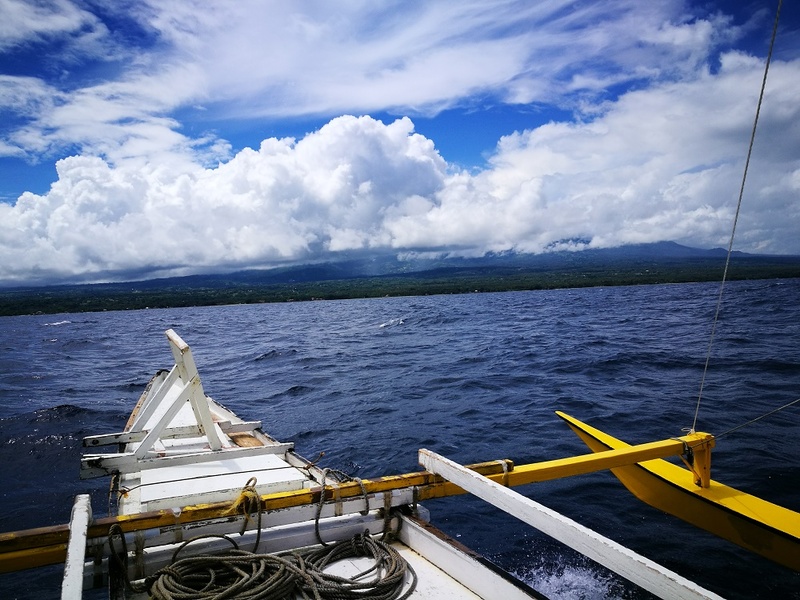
<point x="187" y="369"/>
<point x="701" y="445"/>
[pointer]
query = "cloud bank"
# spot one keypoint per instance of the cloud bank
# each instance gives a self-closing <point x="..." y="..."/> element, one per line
<point x="649" y="145"/>
<point x="659" y="164"/>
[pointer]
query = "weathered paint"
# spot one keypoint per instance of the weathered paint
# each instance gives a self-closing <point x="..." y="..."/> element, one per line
<point x="29" y="548"/>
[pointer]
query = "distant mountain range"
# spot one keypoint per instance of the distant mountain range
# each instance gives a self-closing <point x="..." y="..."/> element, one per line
<point x="372" y="275"/>
<point x="389" y="264"/>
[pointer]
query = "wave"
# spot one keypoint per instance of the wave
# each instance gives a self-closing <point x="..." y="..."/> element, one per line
<point x="392" y="323"/>
<point x="273" y="354"/>
<point x="476" y="377"/>
<point x="58" y="413"/>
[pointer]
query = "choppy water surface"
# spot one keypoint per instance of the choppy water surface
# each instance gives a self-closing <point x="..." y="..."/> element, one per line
<point x="474" y="377"/>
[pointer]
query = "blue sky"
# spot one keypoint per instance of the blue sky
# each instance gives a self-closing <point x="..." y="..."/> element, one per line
<point x="147" y="138"/>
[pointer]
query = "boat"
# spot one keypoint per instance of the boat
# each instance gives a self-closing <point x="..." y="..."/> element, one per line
<point x="208" y="504"/>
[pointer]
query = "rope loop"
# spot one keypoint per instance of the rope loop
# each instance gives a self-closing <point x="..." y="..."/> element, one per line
<point x="339" y="477"/>
<point x="246" y="575"/>
<point x="248" y="502"/>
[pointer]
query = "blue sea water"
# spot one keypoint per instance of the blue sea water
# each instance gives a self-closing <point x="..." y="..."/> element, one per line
<point x="474" y="377"/>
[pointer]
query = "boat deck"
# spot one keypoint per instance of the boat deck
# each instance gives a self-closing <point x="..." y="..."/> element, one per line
<point x="442" y="568"/>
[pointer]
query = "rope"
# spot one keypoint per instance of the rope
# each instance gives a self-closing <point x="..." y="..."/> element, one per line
<point x="751" y="421"/>
<point x="113" y="490"/>
<point x="736" y="216"/>
<point x="121" y="557"/>
<point x="246" y="575"/>
<point x="249" y="502"/>
<point x="340" y="477"/>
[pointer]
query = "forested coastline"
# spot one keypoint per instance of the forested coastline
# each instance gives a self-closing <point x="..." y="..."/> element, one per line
<point x="251" y="288"/>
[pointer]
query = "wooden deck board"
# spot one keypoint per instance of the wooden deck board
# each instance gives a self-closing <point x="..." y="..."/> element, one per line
<point x="202" y="482"/>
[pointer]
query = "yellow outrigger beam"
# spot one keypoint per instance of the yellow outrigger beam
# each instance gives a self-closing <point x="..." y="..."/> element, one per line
<point x="748" y="521"/>
<point x="47" y="545"/>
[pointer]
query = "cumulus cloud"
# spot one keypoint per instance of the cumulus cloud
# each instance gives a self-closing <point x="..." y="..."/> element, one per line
<point x="287" y="201"/>
<point x="658" y="164"/>
<point x="650" y="146"/>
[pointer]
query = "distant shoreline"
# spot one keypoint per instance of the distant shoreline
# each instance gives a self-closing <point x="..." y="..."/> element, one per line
<point x="170" y="293"/>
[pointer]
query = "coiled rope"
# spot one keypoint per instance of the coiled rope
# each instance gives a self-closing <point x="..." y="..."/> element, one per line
<point x="246" y="575"/>
<point x="237" y="573"/>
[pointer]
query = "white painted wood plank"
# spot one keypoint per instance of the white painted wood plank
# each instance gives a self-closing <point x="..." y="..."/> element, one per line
<point x="97" y="465"/>
<point x="272" y="473"/>
<point x="148" y="412"/>
<point x="243" y="427"/>
<point x="72" y="584"/>
<point x="466" y="575"/>
<point x="186" y="491"/>
<point x="202" y="413"/>
<point x="184" y="361"/>
<point x="173" y="401"/>
<point x="640" y="570"/>
<point x="126" y="437"/>
<point x="223" y="466"/>
<point x="144" y="497"/>
<point x="435" y="583"/>
<point x="279" y="520"/>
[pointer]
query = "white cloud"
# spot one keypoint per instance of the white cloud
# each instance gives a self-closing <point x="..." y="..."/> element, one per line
<point x="252" y="59"/>
<point x="22" y="21"/>
<point x="285" y="202"/>
<point x="152" y="193"/>
<point x="430" y="56"/>
<point x="662" y="163"/>
<point x="659" y="164"/>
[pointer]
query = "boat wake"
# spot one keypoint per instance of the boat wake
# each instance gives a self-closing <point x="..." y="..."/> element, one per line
<point x="574" y="582"/>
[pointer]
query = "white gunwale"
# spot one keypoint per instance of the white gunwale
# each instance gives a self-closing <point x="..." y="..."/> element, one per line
<point x="642" y="571"/>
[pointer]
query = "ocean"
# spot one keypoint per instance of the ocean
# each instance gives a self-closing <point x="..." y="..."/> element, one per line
<point x="474" y="377"/>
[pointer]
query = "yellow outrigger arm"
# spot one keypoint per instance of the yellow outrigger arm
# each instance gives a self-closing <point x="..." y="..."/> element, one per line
<point x="755" y="524"/>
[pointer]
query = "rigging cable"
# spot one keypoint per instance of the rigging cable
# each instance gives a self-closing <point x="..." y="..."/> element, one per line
<point x="751" y="421"/>
<point x="736" y="216"/>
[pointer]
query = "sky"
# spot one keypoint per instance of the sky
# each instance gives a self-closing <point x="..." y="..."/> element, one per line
<point x="142" y="138"/>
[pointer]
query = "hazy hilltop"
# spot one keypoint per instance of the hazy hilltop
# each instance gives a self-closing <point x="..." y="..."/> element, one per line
<point x="389" y="275"/>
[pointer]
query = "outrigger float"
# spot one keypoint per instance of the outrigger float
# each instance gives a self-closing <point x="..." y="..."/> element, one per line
<point x="209" y="506"/>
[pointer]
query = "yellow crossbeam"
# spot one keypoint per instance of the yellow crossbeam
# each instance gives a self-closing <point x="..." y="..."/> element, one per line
<point x="589" y="463"/>
<point x="46" y="545"/>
